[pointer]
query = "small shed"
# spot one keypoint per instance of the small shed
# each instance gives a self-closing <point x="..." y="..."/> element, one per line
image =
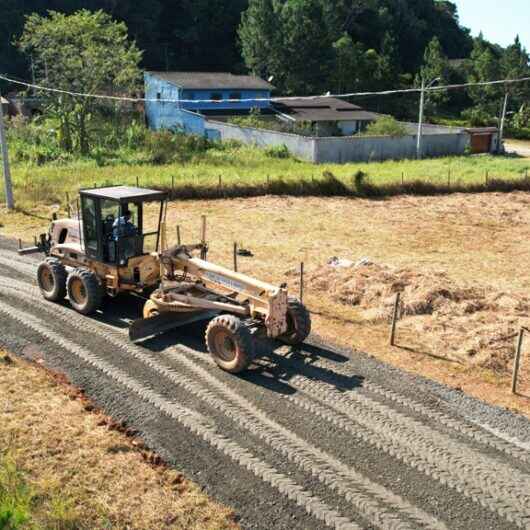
<point x="329" y="116"/>
<point x="483" y="139"/>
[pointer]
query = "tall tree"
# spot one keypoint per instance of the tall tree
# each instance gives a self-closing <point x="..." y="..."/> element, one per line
<point x="435" y="66"/>
<point x="84" y="52"/>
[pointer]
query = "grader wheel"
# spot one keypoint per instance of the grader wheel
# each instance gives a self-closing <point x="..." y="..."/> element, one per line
<point x="230" y="343"/>
<point x="299" y="322"/>
<point x="150" y="309"/>
<point x="84" y="291"/>
<point x="51" y="277"/>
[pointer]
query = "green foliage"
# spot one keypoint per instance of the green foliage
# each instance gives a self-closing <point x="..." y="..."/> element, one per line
<point x="165" y="147"/>
<point x="84" y="52"/>
<point x="15" y="496"/>
<point x="435" y="66"/>
<point x="278" y="151"/>
<point x="386" y="126"/>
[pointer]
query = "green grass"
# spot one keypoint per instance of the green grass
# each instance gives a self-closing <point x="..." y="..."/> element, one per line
<point x="249" y="167"/>
<point x="24" y="507"/>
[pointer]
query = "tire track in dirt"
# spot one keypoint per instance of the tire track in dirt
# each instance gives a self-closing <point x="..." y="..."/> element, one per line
<point x="372" y="501"/>
<point x="377" y="428"/>
<point x="477" y="434"/>
<point x="193" y="421"/>
<point x="456" y="466"/>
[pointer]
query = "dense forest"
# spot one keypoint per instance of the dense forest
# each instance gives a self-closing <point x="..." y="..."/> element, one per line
<point x="307" y="46"/>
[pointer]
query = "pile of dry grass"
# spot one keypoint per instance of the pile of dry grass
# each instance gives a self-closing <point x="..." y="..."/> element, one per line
<point x="468" y="324"/>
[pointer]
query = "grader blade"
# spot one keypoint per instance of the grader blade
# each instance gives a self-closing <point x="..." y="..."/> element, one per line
<point x="150" y="327"/>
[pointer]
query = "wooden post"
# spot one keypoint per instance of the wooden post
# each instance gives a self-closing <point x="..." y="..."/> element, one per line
<point x="137" y="181"/>
<point x="268" y="181"/>
<point x="204" y="252"/>
<point x="517" y="360"/>
<point x="487" y="176"/>
<point x="395" y="316"/>
<point x="235" y="257"/>
<point x="19" y="244"/>
<point x="172" y="184"/>
<point x="449" y="178"/>
<point x="302" y="281"/>
<point x="402" y="178"/>
<point x="178" y="235"/>
<point x="68" y="211"/>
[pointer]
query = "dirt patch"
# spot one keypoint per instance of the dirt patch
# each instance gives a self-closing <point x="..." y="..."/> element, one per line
<point x="79" y="469"/>
<point x="468" y="324"/>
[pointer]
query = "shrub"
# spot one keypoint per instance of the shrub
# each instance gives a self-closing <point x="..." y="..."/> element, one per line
<point x="387" y="126"/>
<point x="278" y="151"/>
<point x="164" y="147"/>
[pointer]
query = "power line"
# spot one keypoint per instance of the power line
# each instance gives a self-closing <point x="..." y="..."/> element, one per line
<point x="289" y="98"/>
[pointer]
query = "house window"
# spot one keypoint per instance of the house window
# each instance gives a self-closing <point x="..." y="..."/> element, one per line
<point x="217" y="96"/>
<point x="235" y="95"/>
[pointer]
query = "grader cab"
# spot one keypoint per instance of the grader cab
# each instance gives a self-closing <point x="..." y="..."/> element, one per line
<point x="117" y="244"/>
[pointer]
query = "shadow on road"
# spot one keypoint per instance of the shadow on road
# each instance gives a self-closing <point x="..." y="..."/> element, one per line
<point x="276" y="364"/>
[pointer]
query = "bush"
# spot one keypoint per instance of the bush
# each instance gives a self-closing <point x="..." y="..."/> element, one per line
<point x="164" y="147"/>
<point x="278" y="151"/>
<point x="387" y="126"/>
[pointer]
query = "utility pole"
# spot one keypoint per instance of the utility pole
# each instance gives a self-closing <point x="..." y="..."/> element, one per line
<point x="424" y="88"/>
<point x="420" y="121"/>
<point x="10" y="202"/>
<point x="503" y="122"/>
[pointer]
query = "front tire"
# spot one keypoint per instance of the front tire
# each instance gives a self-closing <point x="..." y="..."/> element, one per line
<point x="230" y="343"/>
<point x="298" y="321"/>
<point x="51" y="277"/>
<point x="84" y="291"/>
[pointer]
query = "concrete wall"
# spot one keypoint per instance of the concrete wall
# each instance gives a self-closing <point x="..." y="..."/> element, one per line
<point x="299" y="146"/>
<point x="376" y="148"/>
<point x="344" y="149"/>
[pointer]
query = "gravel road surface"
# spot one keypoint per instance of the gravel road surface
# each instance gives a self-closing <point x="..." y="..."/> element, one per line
<point x="311" y="438"/>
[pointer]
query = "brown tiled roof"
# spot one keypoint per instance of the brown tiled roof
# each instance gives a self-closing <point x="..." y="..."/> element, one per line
<point x="323" y="109"/>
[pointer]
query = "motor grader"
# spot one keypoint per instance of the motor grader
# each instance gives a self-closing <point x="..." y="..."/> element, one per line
<point x="91" y="255"/>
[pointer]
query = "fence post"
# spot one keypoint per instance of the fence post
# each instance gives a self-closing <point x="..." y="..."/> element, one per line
<point x="178" y="235"/>
<point x="137" y="182"/>
<point x="172" y="185"/>
<point x="517" y="360"/>
<point x="302" y="281"/>
<point x="235" y="257"/>
<point x="402" y="178"/>
<point x="487" y="176"/>
<point x="395" y="315"/>
<point x="68" y="211"/>
<point x="449" y="178"/>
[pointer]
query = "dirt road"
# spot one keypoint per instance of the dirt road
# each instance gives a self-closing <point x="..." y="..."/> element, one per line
<point x="308" y="439"/>
<point x="519" y="147"/>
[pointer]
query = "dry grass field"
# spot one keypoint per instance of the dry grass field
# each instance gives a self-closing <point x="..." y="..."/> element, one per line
<point x="460" y="261"/>
<point x="65" y="466"/>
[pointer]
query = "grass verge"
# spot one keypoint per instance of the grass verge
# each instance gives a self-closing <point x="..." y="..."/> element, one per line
<point x="246" y="172"/>
<point x="66" y="466"/>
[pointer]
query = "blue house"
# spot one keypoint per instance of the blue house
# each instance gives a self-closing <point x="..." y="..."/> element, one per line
<point x="225" y="94"/>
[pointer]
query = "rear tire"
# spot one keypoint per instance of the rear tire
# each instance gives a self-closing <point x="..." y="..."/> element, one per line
<point x="299" y="322"/>
<point x="230" y="343"/>
<point x="84" y="291"/>
<point x="51" y="277"/>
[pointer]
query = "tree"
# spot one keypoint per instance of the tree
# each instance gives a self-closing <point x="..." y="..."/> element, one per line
<point x="485" y="66"/>
<point x="435" y="66"/>
<point x="86" y="53"/>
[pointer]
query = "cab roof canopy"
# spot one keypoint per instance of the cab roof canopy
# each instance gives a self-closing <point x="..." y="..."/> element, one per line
<point x="125" y="194"/>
